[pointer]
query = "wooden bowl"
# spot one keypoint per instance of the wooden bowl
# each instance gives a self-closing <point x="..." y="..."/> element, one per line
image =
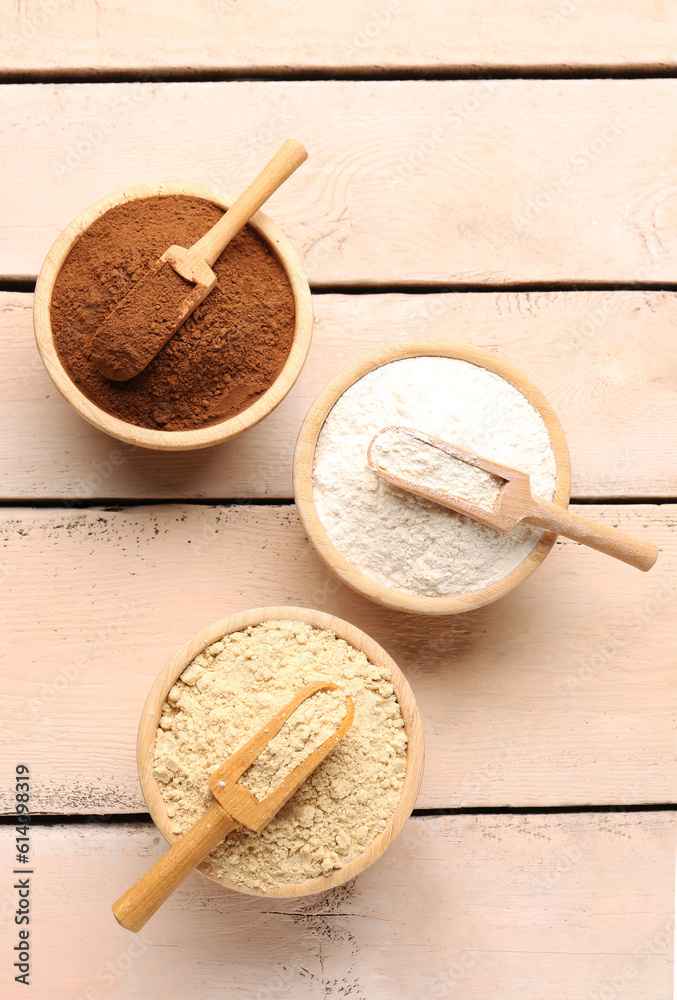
<point x="303" y="470"/>
<point x="143" y="436"/>
<point x="152" y="711"/>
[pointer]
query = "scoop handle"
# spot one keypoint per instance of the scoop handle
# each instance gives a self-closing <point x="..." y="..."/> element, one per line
<point x="136" y="906"/>
<point x="612" y="542"/>
<point x="288" y="158"/>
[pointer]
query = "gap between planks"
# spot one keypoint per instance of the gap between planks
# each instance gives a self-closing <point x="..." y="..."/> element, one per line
<point x="66" y="819"/>
<point x="348" y="37"/>
<point x="364" y="74"/>
<point x="11" y="285"/>
<point x="457" y="906"/>
<point x="605" y="361"/>
<point x="121" y="503"/>
<point x="507" y="722"/>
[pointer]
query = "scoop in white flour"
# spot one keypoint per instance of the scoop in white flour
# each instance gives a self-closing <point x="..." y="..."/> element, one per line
<point x="394" y="538"/>
<point x="400" y="453"/>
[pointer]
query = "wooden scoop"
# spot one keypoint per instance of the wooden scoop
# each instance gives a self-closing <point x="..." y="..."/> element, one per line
<point x="233" y="805"/>
<point x="516" y="503"/>
<point x="141" y="324"/>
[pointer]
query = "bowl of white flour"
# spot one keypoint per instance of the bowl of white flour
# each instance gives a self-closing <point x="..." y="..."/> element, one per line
<point x="394" y="548"/>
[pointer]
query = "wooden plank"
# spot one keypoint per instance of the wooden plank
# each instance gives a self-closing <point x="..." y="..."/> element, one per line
<point x="605" y="360"/>
<point x="471" y="182"/>
<point x="467" y="906"/>
<point x="63" y="36"/>
<point x="563" y="692"/>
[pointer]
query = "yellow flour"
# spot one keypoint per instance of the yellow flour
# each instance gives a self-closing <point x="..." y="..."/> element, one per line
<point x="228" y="693"/>
<point x="306" y="730"/>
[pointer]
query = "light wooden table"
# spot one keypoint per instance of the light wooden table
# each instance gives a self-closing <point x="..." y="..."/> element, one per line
<point x="504" y="174"/>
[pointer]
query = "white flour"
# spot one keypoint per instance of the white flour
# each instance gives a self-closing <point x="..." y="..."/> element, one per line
<point x="407" y="457"/>
<point x="399" y="540"/>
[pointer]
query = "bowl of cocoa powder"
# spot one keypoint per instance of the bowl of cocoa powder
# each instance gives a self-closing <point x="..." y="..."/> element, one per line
<point x="222" y="686"/>
<point x="230" y="363"/>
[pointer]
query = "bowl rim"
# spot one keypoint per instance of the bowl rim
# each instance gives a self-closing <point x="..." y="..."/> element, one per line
<point x="152" y="710"/>
<point x="147" y="437"/>
<point x="302" y="473"/>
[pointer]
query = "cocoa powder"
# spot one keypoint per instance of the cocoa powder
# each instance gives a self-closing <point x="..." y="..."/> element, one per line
<point x="153" y="312"/>
<point x="223" y="358"/>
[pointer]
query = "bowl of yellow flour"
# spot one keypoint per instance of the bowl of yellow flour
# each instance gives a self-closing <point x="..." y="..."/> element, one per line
<point x="222" y="687"/>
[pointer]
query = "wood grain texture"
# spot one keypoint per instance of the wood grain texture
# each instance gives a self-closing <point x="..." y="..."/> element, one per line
<point x="605" y="361"/>
<point x="463" y="181"/>
<point x="562" y="692"/>
<point x="517" y="907"/>
<point x="340" y="35"/>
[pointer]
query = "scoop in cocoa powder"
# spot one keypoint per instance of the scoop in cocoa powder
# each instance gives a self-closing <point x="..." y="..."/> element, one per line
<point x="223" y="358"/>
<point x="142" y="327"/>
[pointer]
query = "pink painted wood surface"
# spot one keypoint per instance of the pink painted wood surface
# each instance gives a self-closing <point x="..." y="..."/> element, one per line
<point x="337" y="36"/>
<point x="563" y="692"/>
<point x="523" y="907"/>
<point x="463" y="181"/>
<point x="605" y="360"/>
